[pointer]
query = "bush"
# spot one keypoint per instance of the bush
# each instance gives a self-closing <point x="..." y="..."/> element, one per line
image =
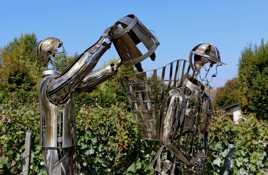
<point x="250" y="140"/>
<point x="253" y="80"/>
<point x="108" y="141"/>
<point x="14" y="123"/>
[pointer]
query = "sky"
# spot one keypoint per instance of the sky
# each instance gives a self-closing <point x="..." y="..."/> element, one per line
<point x="179" y="25"/>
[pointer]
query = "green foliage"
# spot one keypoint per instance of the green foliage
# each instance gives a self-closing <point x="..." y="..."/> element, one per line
<point x="108" y="141"/>
<point x="18" y="108"/>
<point x="15" y="121"/>
<point x="250" y="139"/>
<point x="253" y="80"/>
<point x="141" y="167"/>
<point x="227" y="95"/>
<point x="20" y="66"/>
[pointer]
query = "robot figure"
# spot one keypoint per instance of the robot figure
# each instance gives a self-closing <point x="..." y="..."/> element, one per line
<point x="57" y="89"/>
<point x="185" y="126"/>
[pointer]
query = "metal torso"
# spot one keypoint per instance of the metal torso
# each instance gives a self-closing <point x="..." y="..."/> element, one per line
<point x="58" y="129"/>
<point x="184" y="129"/>
<point x="172" y="106"/>
<point x="193" y="93"/>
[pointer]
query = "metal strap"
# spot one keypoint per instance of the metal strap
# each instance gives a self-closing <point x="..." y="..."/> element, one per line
<point x="130" y="22"/>
<point x="176" y="72"/>
<point x="170" y="74"/>
<point x="182" y="72"/>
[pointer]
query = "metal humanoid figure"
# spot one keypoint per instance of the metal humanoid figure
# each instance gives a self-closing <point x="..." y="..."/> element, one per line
<point x="57" y="121"/>
<point x="185" y="126"/>
<point x="57" y="89"/>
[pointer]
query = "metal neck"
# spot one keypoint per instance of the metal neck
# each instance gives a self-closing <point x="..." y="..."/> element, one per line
<point x="51" y="68"/>
<point x="193" y="84"/>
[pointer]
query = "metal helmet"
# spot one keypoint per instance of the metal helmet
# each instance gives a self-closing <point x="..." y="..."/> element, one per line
<point x="127" y="33"/>
<point x="48" y="47"/>
<point x="204" y="53"/>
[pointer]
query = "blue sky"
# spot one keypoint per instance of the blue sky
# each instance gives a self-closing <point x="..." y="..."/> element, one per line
<point x="179" y="25"/>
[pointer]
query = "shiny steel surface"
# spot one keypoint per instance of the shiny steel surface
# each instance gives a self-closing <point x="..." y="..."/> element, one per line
<point x="204" y="53"/>
<point x="57" y="120"/>
<point x="48" y="47"/>
<point x="97" y="77"/>
<point x="60" y="88"/>
<point x="57" y="89"/>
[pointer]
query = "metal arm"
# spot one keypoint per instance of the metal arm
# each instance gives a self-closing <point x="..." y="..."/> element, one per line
<point x="60" y="88"/>
<point x="97" y="77"/>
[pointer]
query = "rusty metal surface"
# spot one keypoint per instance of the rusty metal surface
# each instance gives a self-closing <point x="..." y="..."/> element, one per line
<point x="128" y="34"/>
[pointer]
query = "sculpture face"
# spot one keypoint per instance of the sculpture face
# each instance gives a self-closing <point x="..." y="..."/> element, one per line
<point x="203" y="58"/>
<point x="199" y="62"/>
<point x="50" y="50"/>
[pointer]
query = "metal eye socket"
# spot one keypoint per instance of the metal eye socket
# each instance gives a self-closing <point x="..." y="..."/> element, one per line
<point x="188" y="92"/>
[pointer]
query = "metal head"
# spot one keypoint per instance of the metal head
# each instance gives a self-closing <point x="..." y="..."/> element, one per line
<point x="48" y="48"/>
<point x="202" y="54"/>
<point x="127" y="33"/>
<point x="202" y="58"/>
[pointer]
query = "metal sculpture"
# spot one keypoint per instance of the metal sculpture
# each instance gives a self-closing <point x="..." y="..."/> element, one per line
<point x="171" y="105"/>
<point x="57" y="89"/>
<point x="128" y="33"/>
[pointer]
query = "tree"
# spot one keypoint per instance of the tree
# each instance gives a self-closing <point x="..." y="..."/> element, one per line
<point x="227" y="95"/>
<point x="253" y="80"/>
<point x="20" y="68"/>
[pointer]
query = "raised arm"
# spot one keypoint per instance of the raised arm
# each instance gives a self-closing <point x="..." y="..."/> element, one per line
<point x="125" y="34"/>
<point x="60" y="88"/>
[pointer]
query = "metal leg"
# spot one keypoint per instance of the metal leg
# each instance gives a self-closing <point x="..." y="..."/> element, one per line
<point x="59" y="166"/>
